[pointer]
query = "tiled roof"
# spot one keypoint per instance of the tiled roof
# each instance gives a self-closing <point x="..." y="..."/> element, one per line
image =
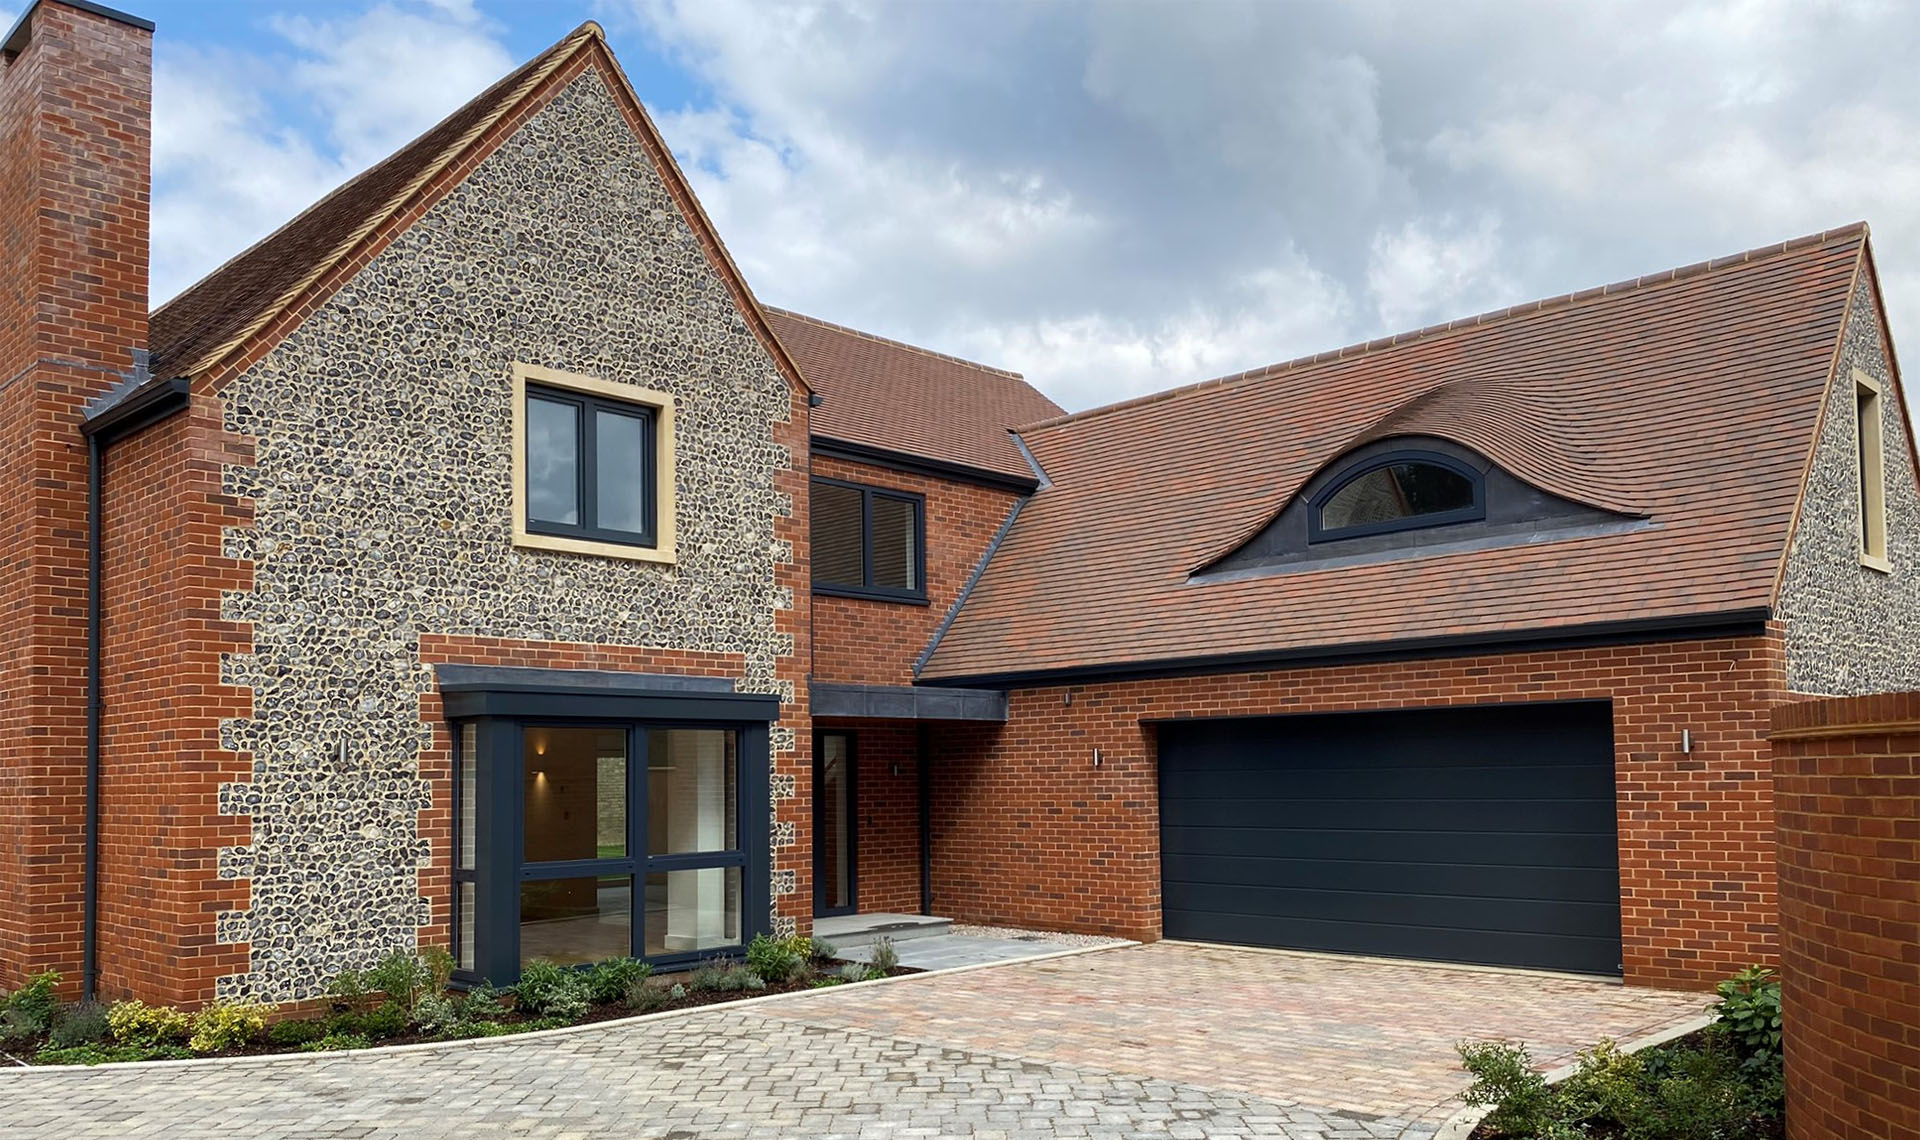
<point x="884" y="394"/>
<point x="1689" y="398"/>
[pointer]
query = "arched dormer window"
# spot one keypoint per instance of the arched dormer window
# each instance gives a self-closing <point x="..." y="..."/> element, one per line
<point x="1399" y="490"/>
<point x="1404" y="497"/>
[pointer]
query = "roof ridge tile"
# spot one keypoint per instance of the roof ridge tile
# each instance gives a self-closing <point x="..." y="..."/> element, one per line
<point x="892" y="343"/>
<point x="1461" y="324"/>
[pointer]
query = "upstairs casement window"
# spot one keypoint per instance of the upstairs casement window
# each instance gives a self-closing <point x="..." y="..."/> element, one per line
<point x="1402" y="490"/>
<point x="1870" y="461"/>
<point x="868" y="542"/>
<point x="593" y="466"/>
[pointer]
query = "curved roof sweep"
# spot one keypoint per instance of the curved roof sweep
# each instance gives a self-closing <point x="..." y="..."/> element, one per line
<point x="1688" y="397"/>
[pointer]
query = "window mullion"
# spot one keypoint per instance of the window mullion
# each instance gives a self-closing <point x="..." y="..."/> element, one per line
<point x="589" y="462"/>
<point x="866" y="538"/>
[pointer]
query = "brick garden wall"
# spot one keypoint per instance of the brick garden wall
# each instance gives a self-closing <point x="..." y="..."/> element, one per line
<point x="1847" y="797"/>
<point x="1028" y="832"/>
<point x="74" y="146"/>
<point x="858" y="641"/>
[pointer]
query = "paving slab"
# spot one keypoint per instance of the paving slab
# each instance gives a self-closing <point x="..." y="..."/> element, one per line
<point x="1143" y="1041"/>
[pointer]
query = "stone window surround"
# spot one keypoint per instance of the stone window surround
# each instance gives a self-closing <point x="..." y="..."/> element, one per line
<point x="661" y="404"/>
<point x="1869" y="442"/>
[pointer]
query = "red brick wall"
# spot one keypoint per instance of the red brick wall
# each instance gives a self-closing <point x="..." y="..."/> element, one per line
<point x="887" y="785"/>
<point x="162" y="764"/>
<point x="875" y="643"/>
<point x="74" y="144"/>
<point x="1028" y="832"/>
<point x="1847" y="797"/>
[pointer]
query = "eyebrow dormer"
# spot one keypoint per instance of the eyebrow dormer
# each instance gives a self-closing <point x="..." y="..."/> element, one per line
<point x="1406" y="496"/>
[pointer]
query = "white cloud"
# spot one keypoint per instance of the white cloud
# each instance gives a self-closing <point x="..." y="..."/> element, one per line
<point x="1426" y="272"/>
<point x="229" y="166"/>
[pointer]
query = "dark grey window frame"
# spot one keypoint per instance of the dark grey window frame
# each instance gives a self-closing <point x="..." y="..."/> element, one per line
<point x="501" y="717"/>
<point x="867" y="589"/>
<point x="1472" y="513"/>
<point x="586" y="485"/>
<point x="820" y="909"/>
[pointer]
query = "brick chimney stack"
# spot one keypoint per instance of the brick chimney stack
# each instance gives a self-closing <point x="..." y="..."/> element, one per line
<point x="76" y="87"/>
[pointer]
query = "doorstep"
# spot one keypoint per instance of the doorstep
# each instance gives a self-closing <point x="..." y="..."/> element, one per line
<point x="853" y="930"/>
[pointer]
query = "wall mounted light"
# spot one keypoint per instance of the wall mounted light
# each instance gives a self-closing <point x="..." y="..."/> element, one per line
<point x="1096" y="758"/>
<point x="1686" y="740"/>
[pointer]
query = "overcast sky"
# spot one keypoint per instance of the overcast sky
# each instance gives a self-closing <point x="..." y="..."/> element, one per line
<point x="1119" y="197"/>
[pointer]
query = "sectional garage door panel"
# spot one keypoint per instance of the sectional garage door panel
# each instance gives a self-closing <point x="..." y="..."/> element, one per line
<point x="1476" y="835"/>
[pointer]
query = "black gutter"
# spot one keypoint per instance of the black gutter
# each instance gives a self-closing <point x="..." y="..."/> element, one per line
<point x="145" y="407"/>
<point x="1690" y="627"/>
<point x="919" y="465"/>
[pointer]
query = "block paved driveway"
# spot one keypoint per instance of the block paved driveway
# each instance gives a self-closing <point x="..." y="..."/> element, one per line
<point x="1153" y="1041"/>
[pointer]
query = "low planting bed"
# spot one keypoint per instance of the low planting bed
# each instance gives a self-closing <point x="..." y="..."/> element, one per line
<point x="1721" y="1083"/>
<point x="406" y="1000"/>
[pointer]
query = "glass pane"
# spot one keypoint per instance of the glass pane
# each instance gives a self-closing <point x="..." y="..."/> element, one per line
<point x="467" y="765"/>
<point x="693" y="910"/>
<point x="553" y="461"/>
<point x="833" y="823"/>
<point x="1397" y="491"/>
<point x="463" y="927"/>
<point x="575" y="793"/>
<point x="836" y="535"/>
<point x="620" y="471"/>
<point x="896" y="543"/>
<point x="570" y="921"/>
<point x="692" y="800"/>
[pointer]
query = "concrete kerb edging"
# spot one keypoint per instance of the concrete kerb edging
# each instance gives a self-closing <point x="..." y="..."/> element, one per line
<point x="542" y="1034"/>
<point x="1461" y="1124"/>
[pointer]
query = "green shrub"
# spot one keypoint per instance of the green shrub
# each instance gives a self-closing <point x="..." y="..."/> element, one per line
<point x="645" y="997"/>
<point x="1749" y="1012"/>
<point x="820" y="950"/>
<point x="433" y="1013"/>
<point x="406" y="978"/>
<point x="1504" y="1079"/>
<point x="336" y="1041"/>
<point x="389" y="1020"/>
<point x="724" y="978"/>
<point x="778" y="960"/>
<point x="353" y="990"/>
<point x="76" y="1025"/>
<point x="482" y="1004"/>
<point x="109" y="1054"/>
<point x="883" y="956"/>
<point x="296" y="1031"/>
<point x="609" y="981"/>
<point x="549" y="990"/>
<point x="218" y="1028"/>
<point x="31" y="1007"/>
<point x="139" y="1024"/>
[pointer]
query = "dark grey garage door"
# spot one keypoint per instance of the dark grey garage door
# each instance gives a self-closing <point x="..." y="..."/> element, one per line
<point x="1469" y="835"/>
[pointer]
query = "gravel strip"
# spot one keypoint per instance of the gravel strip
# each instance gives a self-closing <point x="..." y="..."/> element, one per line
<point x="1059" y="938"/>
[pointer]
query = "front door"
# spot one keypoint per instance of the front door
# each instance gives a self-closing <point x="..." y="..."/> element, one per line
<point x="834" y="838"/>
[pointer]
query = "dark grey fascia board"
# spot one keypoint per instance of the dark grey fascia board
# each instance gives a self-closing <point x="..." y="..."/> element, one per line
<point x="1686" y="627"/>
<point x="907" y="702"/>
<point x="139" y="408"/>
<point x="918" y="464"/>
<point x="17" y="35"/>
<point x="513" y="691"/>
